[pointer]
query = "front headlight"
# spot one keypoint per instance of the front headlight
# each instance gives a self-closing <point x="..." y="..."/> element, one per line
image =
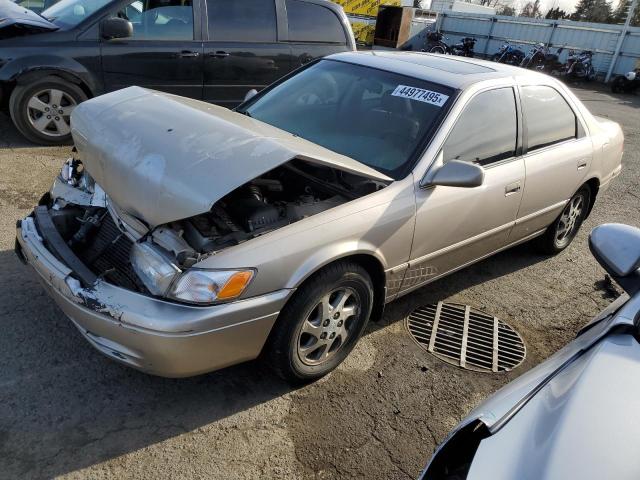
<point x="209" y="286"/>
<point x="163" y="278"/>
<point x="153" y="267"/>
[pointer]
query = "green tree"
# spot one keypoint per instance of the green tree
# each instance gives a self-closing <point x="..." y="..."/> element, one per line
<point x="621" y="10"/>
<point x="556" y="14"/>
<point x="507" y="10"/>
<point x="598" y="11"/>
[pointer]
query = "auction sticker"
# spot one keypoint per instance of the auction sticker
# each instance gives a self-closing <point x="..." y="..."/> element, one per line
<point x="420" y="94"/>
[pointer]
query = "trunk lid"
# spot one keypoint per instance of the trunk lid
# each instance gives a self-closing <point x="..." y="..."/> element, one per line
<point x="16" y="21"/>
<point x="163" y="158"/>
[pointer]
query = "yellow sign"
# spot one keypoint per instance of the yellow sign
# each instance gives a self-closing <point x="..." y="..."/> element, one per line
<point x="365" y="7"/>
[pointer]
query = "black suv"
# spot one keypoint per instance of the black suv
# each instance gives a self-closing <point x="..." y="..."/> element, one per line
<point x="215" y="50"/>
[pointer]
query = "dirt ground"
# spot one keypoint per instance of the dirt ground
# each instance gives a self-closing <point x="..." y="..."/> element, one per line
<point x="68" y="412"/>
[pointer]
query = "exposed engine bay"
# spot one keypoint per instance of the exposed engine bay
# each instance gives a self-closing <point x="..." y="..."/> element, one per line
<point x="102" y="237"/>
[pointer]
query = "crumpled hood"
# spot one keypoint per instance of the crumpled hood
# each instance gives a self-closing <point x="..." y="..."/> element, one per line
<point x="163" y="157"/>
<point x="16" y="20"/>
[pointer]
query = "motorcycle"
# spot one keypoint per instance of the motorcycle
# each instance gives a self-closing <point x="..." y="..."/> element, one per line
<point x="627" y="83"/>
<point x="435" y="44"/>
<point x="580" y="66"/>
<point x="509" y="54"/>
<point x="535" y="57"/>
<point x="464" y="48"/>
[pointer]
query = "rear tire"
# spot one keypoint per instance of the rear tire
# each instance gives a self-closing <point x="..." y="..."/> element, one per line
<point x="41" y="109"/>
<point x="437" y="49"/>
<point x="563" y="230"/>
<point x="321" y="324"/>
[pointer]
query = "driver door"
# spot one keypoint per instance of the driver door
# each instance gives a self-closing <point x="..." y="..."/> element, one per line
<point x="455" y="226"/>
<point x="165" y="52"/>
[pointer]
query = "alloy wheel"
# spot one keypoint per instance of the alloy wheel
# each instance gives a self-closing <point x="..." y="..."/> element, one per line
<point x="570" y="220"/>
<point x="328" y="326"/>
<point x="49" y="112"/>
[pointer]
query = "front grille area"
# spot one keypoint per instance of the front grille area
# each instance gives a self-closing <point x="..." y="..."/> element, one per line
<point x="107" y="255"/>
<point x="465" y="337"/>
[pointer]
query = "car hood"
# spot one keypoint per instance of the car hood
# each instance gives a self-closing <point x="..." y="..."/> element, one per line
<point x="16" y="21"/>
<point x="163" y="158"/>
<point x="584" y="423"/>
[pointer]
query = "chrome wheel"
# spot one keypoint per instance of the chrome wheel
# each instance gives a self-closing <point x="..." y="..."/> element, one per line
<point x="326" y="329"/>
<point x="570" y="220"/>
<point x="49" y="112"/>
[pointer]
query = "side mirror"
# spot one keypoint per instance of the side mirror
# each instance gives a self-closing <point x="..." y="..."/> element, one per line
<point x="455" y="173"/>
<point x="617" y="249"/>
<point x="250" y="94"/>
<point x="116" y="27"/>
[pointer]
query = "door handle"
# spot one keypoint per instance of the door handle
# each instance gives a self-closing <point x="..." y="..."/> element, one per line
<point x="582" y="164"/>
<point x="188" y="54"/>
<point x="219" y="54"/>
<point x="512" y="188"/>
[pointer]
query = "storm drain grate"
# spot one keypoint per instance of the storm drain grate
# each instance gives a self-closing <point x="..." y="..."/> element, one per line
<point x="466" y="337"/>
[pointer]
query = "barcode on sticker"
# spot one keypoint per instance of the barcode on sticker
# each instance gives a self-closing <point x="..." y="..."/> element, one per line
<point x="420" y="94"/>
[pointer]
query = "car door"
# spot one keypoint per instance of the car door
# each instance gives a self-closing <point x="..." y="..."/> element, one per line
<point x="558" y="156"/>
<point x="243" y="49"/>
<point x="164" y="53"/>
<point x="314" y="31"/>
<point x="455" y="226"/>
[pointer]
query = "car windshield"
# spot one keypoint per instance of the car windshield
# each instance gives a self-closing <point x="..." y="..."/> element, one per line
<point x="376" y="117"/>
<point x="69" y="13"/>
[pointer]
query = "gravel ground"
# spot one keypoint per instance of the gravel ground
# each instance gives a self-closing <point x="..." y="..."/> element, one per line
<point x="66" y="411"/>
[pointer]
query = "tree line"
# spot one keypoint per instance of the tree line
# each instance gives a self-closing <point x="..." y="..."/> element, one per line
<point x="598" y="11"/>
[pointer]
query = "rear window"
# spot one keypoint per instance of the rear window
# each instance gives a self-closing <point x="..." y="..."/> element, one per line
<point x="309" y="22"/>
<point x="242" y="21"/>
<point x="376" y="117"/>
<point x="548" y="117"/>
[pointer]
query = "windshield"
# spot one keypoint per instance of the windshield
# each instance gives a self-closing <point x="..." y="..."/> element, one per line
<point x="378" y="118"/>
<point x="69" y="13"/>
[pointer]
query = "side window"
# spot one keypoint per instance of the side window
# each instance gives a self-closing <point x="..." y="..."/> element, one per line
<point x="486" y="131"/>
<point x="549" y="118"/>
<point x="159" y="19"/>
<point x="242" y="21"/>
<point x="309" y="22"/>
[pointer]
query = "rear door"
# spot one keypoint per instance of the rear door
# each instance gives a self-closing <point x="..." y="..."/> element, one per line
<point x="557" y="159"/>
<point x="243" y="49"/>
<point x="164" y="53"/>
<point x="314" y="31"/>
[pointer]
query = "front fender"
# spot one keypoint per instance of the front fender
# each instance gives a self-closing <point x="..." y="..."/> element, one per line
<point x="20" y="68"/>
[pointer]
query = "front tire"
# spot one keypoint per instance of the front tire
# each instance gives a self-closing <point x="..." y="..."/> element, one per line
<point x="41" y="110"/>
<point x="321" y="324"/>
<point x="437" y="49"/>
<point x="563" y="230"/>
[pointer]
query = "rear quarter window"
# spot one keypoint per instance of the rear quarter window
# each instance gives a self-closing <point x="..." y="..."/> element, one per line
<point x="309" y="22"/>
<point x="548" y="117"/>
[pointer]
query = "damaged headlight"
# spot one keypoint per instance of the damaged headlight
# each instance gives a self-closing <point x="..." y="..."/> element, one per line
<point x="209" y="286"/>
<point x="154" y="268"/>
<point x="162" y="277"/>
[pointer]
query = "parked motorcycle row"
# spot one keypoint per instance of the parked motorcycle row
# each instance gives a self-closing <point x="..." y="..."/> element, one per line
<point x="579" y="64"/>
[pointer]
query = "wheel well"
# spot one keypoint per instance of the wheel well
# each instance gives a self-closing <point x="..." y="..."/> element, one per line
<point x="375" y="270"/>
<point x="70" y="77"/>
<point x="594" y="186"/>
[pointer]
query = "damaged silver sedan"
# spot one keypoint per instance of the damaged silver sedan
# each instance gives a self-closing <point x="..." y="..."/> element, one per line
<point x="184" y="237"/>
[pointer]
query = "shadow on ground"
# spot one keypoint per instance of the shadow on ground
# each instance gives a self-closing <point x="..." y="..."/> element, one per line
<point x="66" y="407"/>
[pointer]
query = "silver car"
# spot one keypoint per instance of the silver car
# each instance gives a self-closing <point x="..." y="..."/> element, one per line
<point x="575" y="415"/>
<point x="184" y="237"/>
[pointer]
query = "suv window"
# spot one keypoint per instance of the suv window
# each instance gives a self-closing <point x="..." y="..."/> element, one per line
<point x="309" y="22"/>
<point x="549" y="118"/>
<point x="242" y="21"/>
<point x="486" y="132"/>
<point x="159" y="19"/>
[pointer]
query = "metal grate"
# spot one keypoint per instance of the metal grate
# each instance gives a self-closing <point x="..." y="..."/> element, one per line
<point x="108" y="255"/>
<point x="466" y="337"/>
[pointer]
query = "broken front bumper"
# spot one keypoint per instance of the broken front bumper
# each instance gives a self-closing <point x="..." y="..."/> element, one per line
<point x="155" y="336"/>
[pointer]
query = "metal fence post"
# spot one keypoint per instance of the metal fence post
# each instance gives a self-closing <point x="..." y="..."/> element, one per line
<point x="554" y="25"/>
<point x="494" y="20"/>
<point x="623" y="35"/>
